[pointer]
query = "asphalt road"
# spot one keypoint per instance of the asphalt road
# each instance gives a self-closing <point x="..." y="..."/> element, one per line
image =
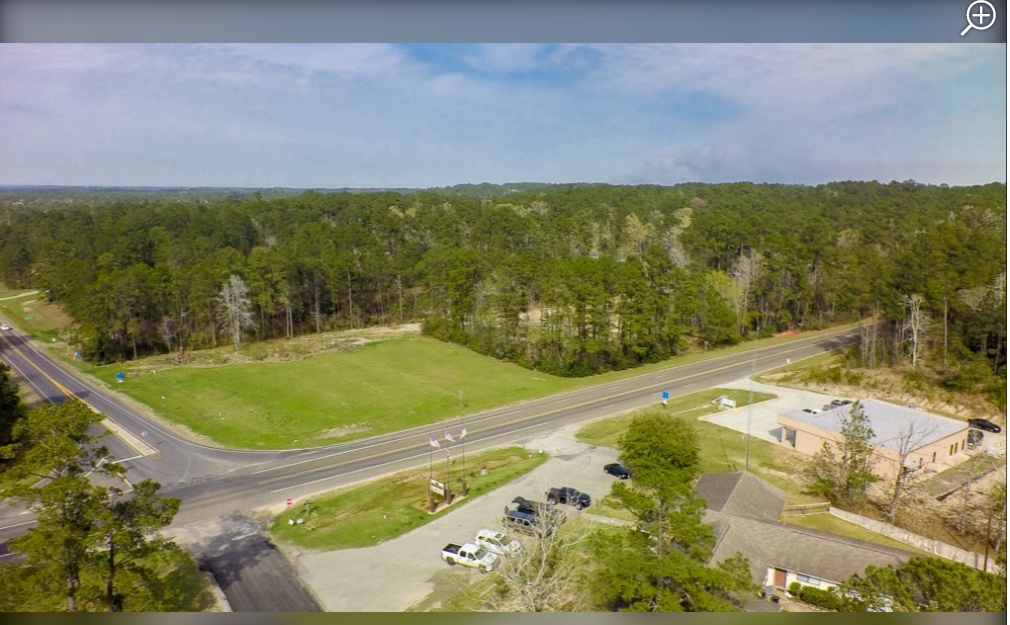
<point x="215" y="483"/>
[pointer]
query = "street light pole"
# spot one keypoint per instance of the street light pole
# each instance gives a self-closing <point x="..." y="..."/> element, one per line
<point x="750" y="412"/>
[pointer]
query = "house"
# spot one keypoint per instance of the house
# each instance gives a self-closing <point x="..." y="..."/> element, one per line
<point x="744" y="511"/>
<point x="929" y="441"/>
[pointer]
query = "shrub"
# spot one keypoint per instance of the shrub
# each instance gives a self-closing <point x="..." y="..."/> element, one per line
<point x="821" y="598"/>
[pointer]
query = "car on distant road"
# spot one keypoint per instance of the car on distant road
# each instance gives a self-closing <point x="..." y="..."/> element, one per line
<point x="840" y="402"/>
<point x="618" y="470"/>
<point x="4" y="327"/>
<point x="985" y="424"/>
<point x="570" y="496"/>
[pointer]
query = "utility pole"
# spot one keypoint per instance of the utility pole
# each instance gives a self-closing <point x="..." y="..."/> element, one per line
<point x="750" y="412"/>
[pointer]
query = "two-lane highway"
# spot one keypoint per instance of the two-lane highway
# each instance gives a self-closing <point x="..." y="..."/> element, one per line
<point x="214" y="482"/>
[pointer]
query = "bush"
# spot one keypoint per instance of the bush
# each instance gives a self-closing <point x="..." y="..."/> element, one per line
<point x="821" y="598"/>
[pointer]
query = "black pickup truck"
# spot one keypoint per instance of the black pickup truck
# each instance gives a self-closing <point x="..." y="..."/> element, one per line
<point x="570" y="496"/>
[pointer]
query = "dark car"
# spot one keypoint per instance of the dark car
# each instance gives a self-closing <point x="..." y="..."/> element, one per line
<point x="618" y="471"/>
<point x="527" y="523"/>
<point x="840" y="402"/>
<point x="985" y="424"/>
<point x="536" y="508"/>
<point x="570" y="496"/>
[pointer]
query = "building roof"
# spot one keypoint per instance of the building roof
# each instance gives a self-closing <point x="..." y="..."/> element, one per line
<point x="741" y="494"/>
<point x="765" y="544"/>
<point x="744" y="510"/>
<point x="888" y="421"/>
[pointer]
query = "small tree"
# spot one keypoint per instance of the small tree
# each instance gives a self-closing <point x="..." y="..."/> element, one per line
<point x="236" y="309"/>
<point x="545" y="576"/>
<point x="128" y="529"/>
<point x="843" y="470"/>
<point x="927" y="584"/>
<point x="912" y="437"/>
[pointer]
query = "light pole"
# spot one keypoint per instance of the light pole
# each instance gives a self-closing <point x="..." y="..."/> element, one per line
<point x="750" y="412"/>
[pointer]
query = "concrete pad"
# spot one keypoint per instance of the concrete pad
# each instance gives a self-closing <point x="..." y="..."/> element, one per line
<point x="764" y="416"/>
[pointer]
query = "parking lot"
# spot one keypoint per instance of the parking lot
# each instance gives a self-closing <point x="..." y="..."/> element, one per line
<point x="763" y="416"/>
<point x="397" y="574"/>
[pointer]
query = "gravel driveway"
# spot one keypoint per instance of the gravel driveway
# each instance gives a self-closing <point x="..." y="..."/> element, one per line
<point x="395" y="575"/>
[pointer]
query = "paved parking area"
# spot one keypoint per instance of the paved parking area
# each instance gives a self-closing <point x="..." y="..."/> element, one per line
<point x="397" y="574"/>
<point x="763" y="416"/>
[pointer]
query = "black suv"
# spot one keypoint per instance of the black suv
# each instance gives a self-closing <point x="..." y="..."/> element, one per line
<point x="985" y="424"/>
<point x="570" y="496"/>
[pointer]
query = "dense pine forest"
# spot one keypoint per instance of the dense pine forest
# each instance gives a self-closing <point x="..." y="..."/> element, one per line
<point x="568" y="279"/>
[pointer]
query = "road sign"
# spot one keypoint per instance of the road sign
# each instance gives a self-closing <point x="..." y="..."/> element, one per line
<point x="666" y="395"/>
<point x="120" y="377"/>
<point x="289" y="502"/>
<point x="437" y="487"/>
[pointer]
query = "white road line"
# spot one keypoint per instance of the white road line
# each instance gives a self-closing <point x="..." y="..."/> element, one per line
<point x="127" y="459"/>
<point x="385" y="464"/>
<point x="7" y="527"/>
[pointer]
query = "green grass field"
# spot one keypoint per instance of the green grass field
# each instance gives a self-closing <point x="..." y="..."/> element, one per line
<point x="367" y="515"/>
<point x="33" y="315"/>
<point x="381" y="387"/>
<point x="828" y="523"/>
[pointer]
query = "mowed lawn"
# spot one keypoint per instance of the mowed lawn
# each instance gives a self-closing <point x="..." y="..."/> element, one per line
<point x="381" y="387"/>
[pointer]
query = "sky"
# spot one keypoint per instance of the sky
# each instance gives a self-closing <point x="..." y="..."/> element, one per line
<point x="417" y="116"/>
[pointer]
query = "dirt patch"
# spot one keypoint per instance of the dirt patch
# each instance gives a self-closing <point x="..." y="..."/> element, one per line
<point x="891" y="385"/>
<point x="354" y="428"/>
<point x="275" y="350"/>
<point x="52" y="313"/>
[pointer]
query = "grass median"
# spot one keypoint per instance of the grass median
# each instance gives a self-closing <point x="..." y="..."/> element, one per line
<point x="366" y="515"/>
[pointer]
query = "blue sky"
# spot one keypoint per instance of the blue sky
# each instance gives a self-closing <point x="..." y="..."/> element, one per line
<point x="353" y="115"/>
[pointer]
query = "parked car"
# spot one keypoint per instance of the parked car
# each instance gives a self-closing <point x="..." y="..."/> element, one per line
<point x="974" y="438"/>
<point x="527" y="523"/>
<point x="985" y="424"/>
<point x="530" y="507"/>
<point x="619" y="471"/>
<point x="497" y="542"/>
<point x="470" y="555"/>
<point x="568" y="495"/>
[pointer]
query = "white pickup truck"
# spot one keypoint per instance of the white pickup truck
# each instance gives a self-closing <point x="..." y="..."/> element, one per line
<point x="470" y="555"/>
<point x="497" y="542"/>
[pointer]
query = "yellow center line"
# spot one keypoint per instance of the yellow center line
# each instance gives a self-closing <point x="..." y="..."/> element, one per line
<point x="119" y="431"/>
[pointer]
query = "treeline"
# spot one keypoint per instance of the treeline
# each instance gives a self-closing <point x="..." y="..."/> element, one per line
<point x="569" y="279"/>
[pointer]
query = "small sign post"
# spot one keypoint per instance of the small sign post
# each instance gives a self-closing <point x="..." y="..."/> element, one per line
<point x="120" y="377"/>
<point x="666" y="397"/>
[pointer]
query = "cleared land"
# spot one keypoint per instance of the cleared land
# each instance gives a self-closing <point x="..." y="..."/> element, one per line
<point x="315" y="390"/>
<point x="369" y="514"/>
<point x="37" y="317"/>
<point x="367" y="389"/>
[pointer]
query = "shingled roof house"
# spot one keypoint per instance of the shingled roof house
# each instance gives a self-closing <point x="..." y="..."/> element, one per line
<point x="937" y="440"/>
<point x="744" y="511"/>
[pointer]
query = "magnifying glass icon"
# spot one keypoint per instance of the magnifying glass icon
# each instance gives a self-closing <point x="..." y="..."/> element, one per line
<point x="980" y="16"/>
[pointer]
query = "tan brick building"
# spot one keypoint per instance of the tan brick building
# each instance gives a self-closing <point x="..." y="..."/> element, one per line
<point x="933" y="440"/>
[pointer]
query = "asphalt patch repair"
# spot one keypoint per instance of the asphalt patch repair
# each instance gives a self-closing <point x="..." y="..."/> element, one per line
<point x="255" y="577"/>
